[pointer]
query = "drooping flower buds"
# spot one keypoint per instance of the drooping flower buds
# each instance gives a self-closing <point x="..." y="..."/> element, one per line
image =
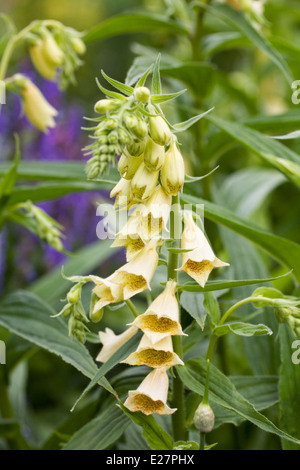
<point x="142" y="94"/>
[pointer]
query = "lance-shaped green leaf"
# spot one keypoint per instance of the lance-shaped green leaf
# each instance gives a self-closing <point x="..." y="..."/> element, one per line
<point x="280" y="248"/>
<point x="289" y="385"/>
<point x="183" y="126"/>
<point x="158" y="99"/>
<point x="223" y="392"/>
<point x="122" y="353"/>
<point x="26" y="315"/>
<point x="127" y="90"/>
<point x="242" y="329"/>
<point x="101" y="432"/>
<point x="155" y="435"/>
<point x="7" y="183"/>
<point x="111" y="94"/>
<point x="223" y="285"/>
<point x="156" y="81"/>
<point x="133" y="23"/>
<point x="212" y="307"/>
<point x="239" y="21"/>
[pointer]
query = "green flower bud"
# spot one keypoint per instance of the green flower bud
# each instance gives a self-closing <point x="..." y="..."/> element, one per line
<point x="74" y="295"/>
<point x="123" y="137"/>
<point x="173" y="171"/>
<point x="123" y="164"/>
<point x="204" y="418"/>
<point x="142" y="94"/>
<point x="111" y="124"/>
<point x="113" y="138"/>
<point x="78" y="45"/>
<point x="103" y="140"/>
<point x="159" y="130"/>
<point x="96" y="317"/>
<point x="103" y="106"/>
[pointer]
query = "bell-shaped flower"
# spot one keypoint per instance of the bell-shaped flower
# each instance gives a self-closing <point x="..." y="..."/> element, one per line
<point x="156" y="355"/>
<point x="107" y="291"/>
<point x="154" y="155"/>
<point x="123" y="194"/>
<point x="112" y="342"/>
<point x="199" y="261"/>
<point x="52" y="52"/>
<point x="37" y="109"/>
<point x="130" y="236"/>
<point x="161" y="319"/>
<point x="43" y="66"/>
<point x="151" y="395"/>
<point x="135" y="276"/>
<point x="155" y="213"/>
<point x="143" y="183"/>
<point x="173" y="171"/>
<point x="133" y="164"/>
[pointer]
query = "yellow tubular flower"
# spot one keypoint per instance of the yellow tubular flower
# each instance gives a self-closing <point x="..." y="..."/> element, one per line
<point x="173" y="171"/>
<point x="37" y="109"/>
<point x="136" y="275"/>
<point x="133" y="164"/>
<point x="161" y="319"/>
<point x="39" y="60"/>
<point x="151" y="395"/>
<point x="154" y="155"/>
<point x="130" y="237"/>
<point x="159" y="355"/>
<point x="112" y="342"/>
<point x="122" y="192"/>
<point x="123" y="165"/>
<point x="107" y="291"/>
<point x="155" y="213"/>
<point x="201" y="260"/>
<point x="143" y="183"/>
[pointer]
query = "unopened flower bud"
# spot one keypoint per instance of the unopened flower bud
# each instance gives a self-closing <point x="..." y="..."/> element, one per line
<point x="78" y="45"/>
<point x="154" y="155"/>
<point x="133" y="164"/>
<point x="74" y="295"/>
<point x="103" y="106"/>
<point x="42" y="65"/>
<point x="173" y="171"/>
<point x="53" y="53"/>
<point x="95" y="315"/>
<point x="142" y="94"/>
<point x="204" y="418"/>
<point x="123" y="164"/>
<point x="159" y="130"/>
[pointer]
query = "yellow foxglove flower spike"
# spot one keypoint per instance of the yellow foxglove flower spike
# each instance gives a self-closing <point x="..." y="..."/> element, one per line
<point x="112" y="342"/>
<point x="136" y="275"/>
<point x="173" y="171"/>
<point x="161" y="319"/>
<point x="201" y="260"/>
<point x="107" y="291"/>
<point x="133" y="164"/>
<point x="37" y="109"/>
<point x="143" y="183"/>
<point x="151" y="395"/>
<point x="159" y="355"/>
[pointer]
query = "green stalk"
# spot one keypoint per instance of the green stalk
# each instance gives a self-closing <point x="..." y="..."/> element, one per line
<point x="178" y="418"/>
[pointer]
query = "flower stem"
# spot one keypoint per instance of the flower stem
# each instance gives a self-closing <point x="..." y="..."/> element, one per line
<point x="178" y="418"/>
<point x="132" y="308"/>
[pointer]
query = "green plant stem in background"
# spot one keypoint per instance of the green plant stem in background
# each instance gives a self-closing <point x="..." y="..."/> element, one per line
<point x="178" y="418"/>
<point x="132" y="308"/>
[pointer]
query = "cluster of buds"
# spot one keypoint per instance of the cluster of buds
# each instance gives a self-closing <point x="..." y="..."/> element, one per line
<point x="152" y="173"/>
<point x="55" y="51"/>
<point x="133" y="134"/>
<point x="287" y="308"/>
<point x="41" y="224"/>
